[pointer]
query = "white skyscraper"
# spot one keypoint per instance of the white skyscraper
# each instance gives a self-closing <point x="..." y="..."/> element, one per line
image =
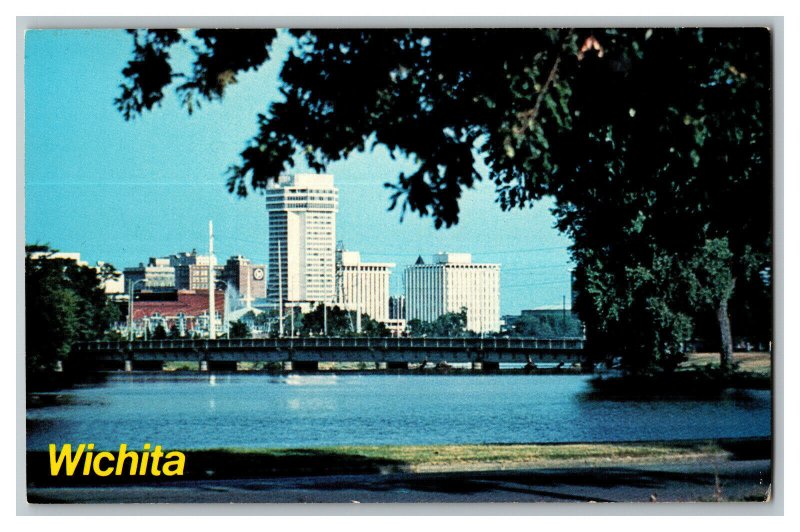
<point x="363" y="286"/>
<point x="302" y="231"/>
<point x="450" y="283"/>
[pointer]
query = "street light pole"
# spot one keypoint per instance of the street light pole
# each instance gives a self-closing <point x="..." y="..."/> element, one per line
<point x="225" y="322"/>
<point x="130" y="307"/>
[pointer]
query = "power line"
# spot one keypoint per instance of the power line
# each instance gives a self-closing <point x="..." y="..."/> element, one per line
<point x="497" y="252"/>
<point x="566" y="281"/>
<point x="395" y="254"/>
<point x="537" y="267"/>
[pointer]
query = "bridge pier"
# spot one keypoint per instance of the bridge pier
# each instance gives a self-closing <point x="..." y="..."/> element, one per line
<point x="490" y="367"/>
<point x="202" y="365"/>
<point x="305" y="365"/>
<point x="148" y="365"/>
<point x="530" y="367"/>
<point x="380" y="365"/>
<point x="143" y="365"/>
<point x="222" y="365"/>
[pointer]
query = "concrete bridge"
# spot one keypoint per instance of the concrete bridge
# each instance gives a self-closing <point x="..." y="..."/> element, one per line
<point x="305" y="354"/>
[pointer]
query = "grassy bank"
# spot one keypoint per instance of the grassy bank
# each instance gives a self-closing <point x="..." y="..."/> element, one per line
<point x="699" y="377"/>
<point x="266" y="463"/>
<point x="757" y="362"/>
<point x="423" y="457"/>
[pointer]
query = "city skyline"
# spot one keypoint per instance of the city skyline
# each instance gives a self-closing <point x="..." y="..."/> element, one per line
<point x="121" y="192"/>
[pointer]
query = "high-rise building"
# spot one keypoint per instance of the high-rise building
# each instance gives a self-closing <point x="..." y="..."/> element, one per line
<point x="452" y="282"/>
<point x="363" y="286"/>
<point x="302" y="232"/>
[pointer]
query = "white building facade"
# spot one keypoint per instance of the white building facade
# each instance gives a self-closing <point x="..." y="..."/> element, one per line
<point x="302" y="239"/>
<point x="157" y="274"/>
<point x="452" y="282"/>
<point x="363" y="286"/>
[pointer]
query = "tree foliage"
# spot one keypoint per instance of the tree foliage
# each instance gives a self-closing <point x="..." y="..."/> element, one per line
<point x="160" y="332"/>
<point x="548" y="324"/>
<point x="64" y="304"/>
<point x="340" y="322"/>
<point x="239" y="329"/>
<point x="655" y="143"/>
<point x="448" y="324"/>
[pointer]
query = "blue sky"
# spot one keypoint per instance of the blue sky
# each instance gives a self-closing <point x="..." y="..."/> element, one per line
<point x="124" y="191"/>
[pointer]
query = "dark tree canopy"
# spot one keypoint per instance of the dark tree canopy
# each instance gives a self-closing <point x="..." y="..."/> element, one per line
<point x="239" y="329"/>
<point x="547" y="324"/>
<point x="655" y="143"/>
<point x="448" y="324"/>
<point x="340" y="322"/>
<point x="64" y="303"/>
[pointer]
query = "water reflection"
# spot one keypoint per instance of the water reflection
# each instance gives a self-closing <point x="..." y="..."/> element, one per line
<point x="247" y="410"/>
<point x="311" y="380"/>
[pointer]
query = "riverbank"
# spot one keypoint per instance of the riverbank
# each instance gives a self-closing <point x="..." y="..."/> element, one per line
<point x="711" y="470"/>
<point x="688" y="383"/>
<point x="758" y="362"/>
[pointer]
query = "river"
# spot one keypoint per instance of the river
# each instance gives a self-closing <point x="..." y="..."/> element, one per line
<point x="193" y="410"/>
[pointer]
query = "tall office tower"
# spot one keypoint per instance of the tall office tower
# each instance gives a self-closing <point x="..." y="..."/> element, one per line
<point x="363" y="286"/>
<point x="302" y="232"/>
<point x="450" y="283"/>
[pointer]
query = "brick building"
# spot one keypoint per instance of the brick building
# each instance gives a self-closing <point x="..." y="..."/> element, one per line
<point x="186" y="310"/>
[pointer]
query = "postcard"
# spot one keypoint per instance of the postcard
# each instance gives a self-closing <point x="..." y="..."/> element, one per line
<point x="399" y="265"/>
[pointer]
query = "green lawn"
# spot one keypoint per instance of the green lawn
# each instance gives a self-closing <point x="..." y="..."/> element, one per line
<point x="420" y="457"/>
<point x="755" y="362"/>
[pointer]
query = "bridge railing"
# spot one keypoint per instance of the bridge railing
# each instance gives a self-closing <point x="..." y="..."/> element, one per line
<point x="494" y="344"/>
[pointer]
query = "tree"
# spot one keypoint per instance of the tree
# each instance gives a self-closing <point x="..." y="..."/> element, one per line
<point x="340" y="322"/>
<point x="653" y="142"/>
<point x="239" y="329"/>
<point x="64" y="304"/>
<point x="447" y="325"/>
<point x="160" y="333"/>
<point x="547" y="324"/>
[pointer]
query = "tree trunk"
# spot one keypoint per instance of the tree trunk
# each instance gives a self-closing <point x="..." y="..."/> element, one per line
<point x="726" y="346"/>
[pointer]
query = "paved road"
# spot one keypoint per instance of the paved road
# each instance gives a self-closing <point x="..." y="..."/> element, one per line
<point x="729" y="480"/>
